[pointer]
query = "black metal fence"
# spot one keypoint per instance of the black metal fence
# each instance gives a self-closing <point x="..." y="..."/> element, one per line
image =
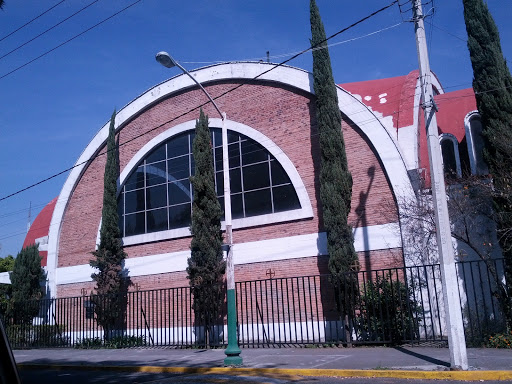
<point x="391" y="306"/>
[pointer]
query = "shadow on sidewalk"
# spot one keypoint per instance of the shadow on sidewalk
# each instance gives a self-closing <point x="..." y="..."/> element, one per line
<point x="422" y="357"/>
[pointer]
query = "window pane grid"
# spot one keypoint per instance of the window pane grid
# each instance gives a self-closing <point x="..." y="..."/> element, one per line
<point x="253" y="180"/>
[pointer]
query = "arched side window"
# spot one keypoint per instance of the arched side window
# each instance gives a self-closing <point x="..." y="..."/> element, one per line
<point x="475" y="141"/>
<point x="155" y="201"/>
<point x="450" y="153"/>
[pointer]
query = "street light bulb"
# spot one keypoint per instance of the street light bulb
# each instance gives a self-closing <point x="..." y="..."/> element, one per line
<point x="165" y="59"/>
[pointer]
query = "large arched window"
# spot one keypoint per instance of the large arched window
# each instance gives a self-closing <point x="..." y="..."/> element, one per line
<point x="157" y="195"/>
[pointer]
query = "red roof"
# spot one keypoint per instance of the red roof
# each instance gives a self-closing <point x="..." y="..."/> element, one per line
<point x="393" y="96"/>
<point x="452" y="109"/>
<point x="40" y="228"/>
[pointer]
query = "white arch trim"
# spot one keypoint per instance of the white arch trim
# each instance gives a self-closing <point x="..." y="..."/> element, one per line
<point x="305" y="211"/>
<point x="368" y="122"/>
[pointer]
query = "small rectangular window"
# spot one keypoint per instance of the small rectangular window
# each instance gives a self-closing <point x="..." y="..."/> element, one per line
<point x="156" y="197"/>
<point x="256" y="176"/>
<point x="179" y="192"/>
<point x="179" y="216"/>
<point x="156" y="173"/>
<point x="257" y="202"/>
<point x="134" y="201"/>
<point x="157" y="220"/>
<point x="178" y="168"/>
<point x="136" y="179"/>
<point x="134" y="224"/>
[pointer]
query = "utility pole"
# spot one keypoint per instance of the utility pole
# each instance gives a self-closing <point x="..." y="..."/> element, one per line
<point x="454" y="325"/>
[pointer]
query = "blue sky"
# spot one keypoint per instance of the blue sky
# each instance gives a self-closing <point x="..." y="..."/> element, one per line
<point x="53" y="107"/>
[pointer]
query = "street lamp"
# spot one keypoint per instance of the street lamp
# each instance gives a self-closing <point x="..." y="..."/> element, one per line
<point x="232" y="351"/>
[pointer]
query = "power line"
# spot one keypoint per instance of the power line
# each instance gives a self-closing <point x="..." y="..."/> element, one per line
<point x="293" y="53"/>
<point x="184" y="114"/>
<point x="453" y="35"/>
<point x="320" y="44"/>
<point x="48" y="30"/>
<point x="69" y="40"/>
<point x="264" y="145"/>
<point x="30" y="21"/>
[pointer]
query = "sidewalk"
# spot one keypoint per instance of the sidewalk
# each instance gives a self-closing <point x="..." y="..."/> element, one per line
<point x="410" y="362"/>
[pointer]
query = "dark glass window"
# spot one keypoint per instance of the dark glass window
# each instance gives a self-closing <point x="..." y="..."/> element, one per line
<point x="136" y="180"/>
<point x="449" y="161"/>
<point x="235" y="182"/>
<point x="155" y="173"/>
<point x="179" y="216"/>
<point x="157" y="220"/>
<point x="178" y="146"/>
<point x="285" y="198"/>
<point x="252" y="152"/>
<point x="158" y="195"/>
<point x="237" y="206"/>
<point x="257" y="202"/>
<point x="134" y="201"/>
<point x="478" y="146"/>
<point x="157" y="155"/>
<point x="179" y="168"/>
<point x="179" y="192"/>
<point x="134" y="224"/>
<point x="279" y="176"/>
<point x="256" y="176"/>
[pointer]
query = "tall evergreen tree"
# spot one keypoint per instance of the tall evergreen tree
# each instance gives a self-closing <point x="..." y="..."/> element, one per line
<point x="26" y="291"/>
<point x="492" y="83"/>
<point x="109" y="257"/>
<point x="206" y="266"/>
<point x="335" y="177"/>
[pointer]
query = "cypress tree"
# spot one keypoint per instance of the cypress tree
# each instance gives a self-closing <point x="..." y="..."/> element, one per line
<point x="335" y="177"/>
<point x="109" y="257"/>
<point x="206" y="266"/>
<point x="26" y="291"/>
<point x="492" y="84"/>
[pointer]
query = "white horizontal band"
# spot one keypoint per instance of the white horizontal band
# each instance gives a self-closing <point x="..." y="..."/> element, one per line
<point x="370" y="238"/>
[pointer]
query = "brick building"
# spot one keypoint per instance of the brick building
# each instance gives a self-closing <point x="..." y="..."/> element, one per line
<point x="274" y="160"/>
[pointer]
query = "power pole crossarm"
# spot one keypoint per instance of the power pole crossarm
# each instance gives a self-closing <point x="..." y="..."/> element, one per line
<point x="454" y="324"/>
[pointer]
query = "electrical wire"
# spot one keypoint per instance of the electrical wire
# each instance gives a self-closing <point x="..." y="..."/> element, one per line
<point x="265" y="147"/>
<point x="69" y="40"/>
<point x="293" y="53"/>
<point x="48" y="30"/>
<point x="30" y="21"/>
<point x="193" y="109"/>
<point x="360" y="123"/>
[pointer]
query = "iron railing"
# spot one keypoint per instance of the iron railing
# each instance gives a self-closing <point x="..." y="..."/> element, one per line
<point x="387" y="306"/>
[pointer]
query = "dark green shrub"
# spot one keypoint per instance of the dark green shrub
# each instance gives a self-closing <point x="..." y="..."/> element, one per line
<point x="115" y="342"/>
<point x="388" y="312"/>
<point x="30" y="336"/>
<point x="89" y="343"/>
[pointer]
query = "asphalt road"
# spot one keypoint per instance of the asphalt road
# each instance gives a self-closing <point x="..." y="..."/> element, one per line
<point x="105" y="377"/>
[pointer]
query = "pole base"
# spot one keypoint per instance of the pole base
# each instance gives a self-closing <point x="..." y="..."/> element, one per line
<point x="233" y="361"/>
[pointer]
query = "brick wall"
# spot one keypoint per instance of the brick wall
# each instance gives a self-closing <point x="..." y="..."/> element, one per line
<point x="283" y="115"/>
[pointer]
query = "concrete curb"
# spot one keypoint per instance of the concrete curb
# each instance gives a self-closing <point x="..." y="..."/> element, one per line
<point x="280" y="372"/>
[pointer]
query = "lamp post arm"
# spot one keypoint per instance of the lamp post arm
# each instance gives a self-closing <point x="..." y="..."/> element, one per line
<point x="200" y="86"/>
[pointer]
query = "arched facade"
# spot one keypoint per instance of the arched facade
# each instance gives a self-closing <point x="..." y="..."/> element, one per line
<point x="276" y="111"/>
